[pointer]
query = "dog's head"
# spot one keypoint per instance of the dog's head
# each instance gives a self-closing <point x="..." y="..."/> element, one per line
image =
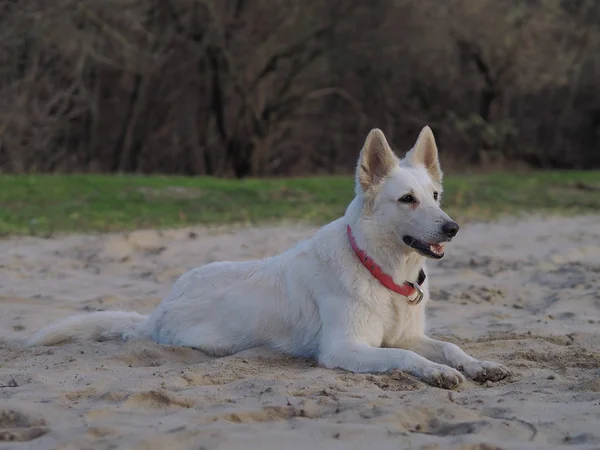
<point x="401" y="198"/>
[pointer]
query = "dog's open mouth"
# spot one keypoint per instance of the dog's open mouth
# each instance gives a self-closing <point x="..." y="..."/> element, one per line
<point x="435" y="251"/>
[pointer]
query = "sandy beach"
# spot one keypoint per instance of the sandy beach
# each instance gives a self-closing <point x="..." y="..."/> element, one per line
<point x="525" y="292"/>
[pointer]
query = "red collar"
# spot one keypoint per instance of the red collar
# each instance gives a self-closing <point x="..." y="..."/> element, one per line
<point x="407" y="289"/>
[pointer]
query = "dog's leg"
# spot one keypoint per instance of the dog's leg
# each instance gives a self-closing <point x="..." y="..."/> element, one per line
<point x="361" y="357"/>
<point x="451" y="355"/>
<point x="342" y="346"/>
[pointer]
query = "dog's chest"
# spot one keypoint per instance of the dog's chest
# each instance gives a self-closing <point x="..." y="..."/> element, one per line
<point x="388" y="318"/>
<point x="399" y="316"/>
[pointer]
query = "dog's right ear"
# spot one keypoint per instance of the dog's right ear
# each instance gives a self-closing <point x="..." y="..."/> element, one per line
<point x="375" y="162"/>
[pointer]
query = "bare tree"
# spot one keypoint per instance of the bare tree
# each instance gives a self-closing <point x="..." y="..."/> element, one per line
<point x="282" y="87"/>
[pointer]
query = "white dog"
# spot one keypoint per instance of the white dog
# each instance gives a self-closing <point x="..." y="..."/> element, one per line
<point x="353" y="296"/>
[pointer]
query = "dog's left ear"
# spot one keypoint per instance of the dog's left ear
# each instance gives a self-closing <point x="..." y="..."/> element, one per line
<point x="425" y="153"/>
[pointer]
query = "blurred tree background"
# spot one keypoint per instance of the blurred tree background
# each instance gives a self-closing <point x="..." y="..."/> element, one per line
<point x="288" y="87"/>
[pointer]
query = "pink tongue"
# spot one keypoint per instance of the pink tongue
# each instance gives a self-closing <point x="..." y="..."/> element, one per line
<point x="437" y="248"/>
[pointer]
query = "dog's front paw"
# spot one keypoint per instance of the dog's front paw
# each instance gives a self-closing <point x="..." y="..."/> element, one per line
<point x="444" y="377"/>
<point x="486" y="370"/>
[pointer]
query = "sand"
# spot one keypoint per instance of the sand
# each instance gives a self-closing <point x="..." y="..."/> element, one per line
<point x="523" y="292"/>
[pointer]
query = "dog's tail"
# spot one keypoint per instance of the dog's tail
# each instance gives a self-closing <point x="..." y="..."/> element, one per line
<point x="101" y="325"/>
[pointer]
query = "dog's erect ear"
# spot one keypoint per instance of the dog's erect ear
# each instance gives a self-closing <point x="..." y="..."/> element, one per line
<point x="425" y="153"/>
<point x="376" y="160"/>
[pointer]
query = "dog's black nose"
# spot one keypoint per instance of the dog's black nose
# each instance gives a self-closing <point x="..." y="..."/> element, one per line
<point x="450" y="229"/>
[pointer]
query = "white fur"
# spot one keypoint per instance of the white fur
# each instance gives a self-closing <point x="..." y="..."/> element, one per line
<point x="316" y="299"/>
<point x="99" y="326"/>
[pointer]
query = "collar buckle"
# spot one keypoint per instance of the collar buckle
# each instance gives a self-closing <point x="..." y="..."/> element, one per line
<point x="419" y="297"/>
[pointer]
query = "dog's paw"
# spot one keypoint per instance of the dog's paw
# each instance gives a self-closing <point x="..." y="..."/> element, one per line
<point x="444" y="377"/>
<point x="486" y="371"/>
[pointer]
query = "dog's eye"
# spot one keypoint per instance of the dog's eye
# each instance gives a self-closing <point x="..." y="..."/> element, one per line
<point x="407" y="199"/>
<point x="435" y="195"/>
